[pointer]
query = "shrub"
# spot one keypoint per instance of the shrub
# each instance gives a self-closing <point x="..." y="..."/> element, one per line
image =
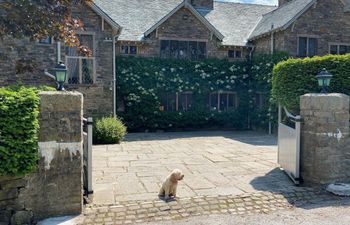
<point x="109" y="130"/>
<point x="296" y="77"/>
<point x="19" y="109"/>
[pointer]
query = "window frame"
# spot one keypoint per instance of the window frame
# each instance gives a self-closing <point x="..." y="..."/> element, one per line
<point x="129" y="49"/>
<point x="180" y="42"/>
<point x="338" y="44"/>
<point x="218" y="96"/>
<point x="234" y="54"/>
<point x="308" y="37"/>
<point x="43" y="43"/>
<point x="81" y="58"/>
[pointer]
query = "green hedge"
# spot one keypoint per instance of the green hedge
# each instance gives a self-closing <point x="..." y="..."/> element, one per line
<point x="141" y="82"/>
<point x="19" y="109"/>
<point x="296" y="77"/>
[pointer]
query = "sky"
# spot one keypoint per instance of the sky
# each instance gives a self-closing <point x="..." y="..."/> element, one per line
<point x="264" y="2"/>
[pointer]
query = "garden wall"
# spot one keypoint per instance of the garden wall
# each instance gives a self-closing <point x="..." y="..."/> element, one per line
<point x="55" y="186"/>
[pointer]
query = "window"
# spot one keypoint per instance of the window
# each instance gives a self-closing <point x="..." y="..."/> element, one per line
<point x="340" y="49"/>
<point x="223" y="101"/>
<point x="185" y="101"/>
<point x="234" y="54"/>
<point x="183" y="49"/>
<point x="169" y="102"/>
<point x="81" y="69"/>
<point x="45" y="41"/>
<point x="307" y="47"/>
<point x="128" y="50"/>
<point x="260" y="100"/>
<point x="176" y="102"/>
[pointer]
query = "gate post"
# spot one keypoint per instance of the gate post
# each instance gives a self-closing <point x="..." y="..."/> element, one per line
<point x="89" y="172"/>
<point x="324" y="138"/>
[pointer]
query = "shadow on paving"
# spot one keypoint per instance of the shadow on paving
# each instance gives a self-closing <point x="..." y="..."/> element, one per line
<point x="247" y="137"/>
<point x="306" y="197"/>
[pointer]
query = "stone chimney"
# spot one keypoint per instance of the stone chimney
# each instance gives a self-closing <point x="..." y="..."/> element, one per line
<point x="282" y="2"/>
<point x="202" y="4"/>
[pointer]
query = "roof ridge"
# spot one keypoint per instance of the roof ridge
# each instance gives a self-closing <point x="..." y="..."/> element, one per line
<point x="241" y="3"/>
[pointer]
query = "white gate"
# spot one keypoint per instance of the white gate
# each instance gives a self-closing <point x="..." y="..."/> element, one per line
<point x="87" y="155"/>
<point x="289" y="144"/>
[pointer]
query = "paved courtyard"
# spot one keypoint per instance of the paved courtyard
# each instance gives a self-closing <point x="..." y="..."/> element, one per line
<point x="214" y="163"/>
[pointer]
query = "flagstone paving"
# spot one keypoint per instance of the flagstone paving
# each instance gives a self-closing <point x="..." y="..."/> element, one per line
<point x="214" y="163"/>
<point x="232" y="173"/>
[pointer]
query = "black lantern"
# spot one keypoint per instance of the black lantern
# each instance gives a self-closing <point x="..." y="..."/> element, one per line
<point x="324" y="80"/>
<point x="60" y="75"/>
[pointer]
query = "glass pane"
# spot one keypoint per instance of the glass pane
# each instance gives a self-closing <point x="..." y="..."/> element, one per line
<point x="125" y="50"/>
<point x="73" y="71"/>
<point x="238" y="54"/>
<point x="231" y="101"/>
<point x="312" y="47"/>
<point x="45" y="41"/>
<point x="193" y="49"/>
<point x="133" y="50"/>
<point x="342" y="49"/>
<point x="185" y="101"/>
<point x="333" y="49"/>
<point x="165" y="49"/>
<point x="183" y="49"/>
<point x="87" y="70"/>
<point x="202" y="50"/>
<point x="174" y="49"/>
<point x="223" y="102"/>
<point x="302" y="47"/>
<point x="169" y="102"/>
<point x="231" y="53"/>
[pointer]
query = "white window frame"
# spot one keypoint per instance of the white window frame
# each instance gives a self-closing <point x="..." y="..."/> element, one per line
<point x="338" y="44"/>
<point x="80" y="59"/>
<point x="307" y="44"/>
<point x="218" y="93"/>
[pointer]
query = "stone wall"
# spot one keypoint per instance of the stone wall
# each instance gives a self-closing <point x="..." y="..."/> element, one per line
<point x="55" y="187"/>
<point x="325" y="140"/>
<point x="24" y="61"/>
<point x="327" y="21"/>
<point x="263" y="44"/>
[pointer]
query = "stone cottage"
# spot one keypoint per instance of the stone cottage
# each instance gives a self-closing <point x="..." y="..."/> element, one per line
<point x="184" y="29"/>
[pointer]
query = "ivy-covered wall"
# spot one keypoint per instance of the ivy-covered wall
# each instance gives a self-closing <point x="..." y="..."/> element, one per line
<point x="144" y="83"/>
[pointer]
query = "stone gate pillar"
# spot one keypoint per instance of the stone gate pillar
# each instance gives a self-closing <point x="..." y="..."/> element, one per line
<point x="325" y="150"/>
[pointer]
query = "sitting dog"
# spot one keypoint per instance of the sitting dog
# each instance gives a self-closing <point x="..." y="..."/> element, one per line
<point x="169" y="186"/>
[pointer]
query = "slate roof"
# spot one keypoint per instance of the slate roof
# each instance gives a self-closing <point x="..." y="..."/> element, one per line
<point x="237" y="22"/>
<point x="281" y="18"/>
<point x="136" y="16"/>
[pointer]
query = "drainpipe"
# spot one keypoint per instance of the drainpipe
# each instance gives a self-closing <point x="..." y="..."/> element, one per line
<point x="252" y="48"/>
<point x="114" y="78"/>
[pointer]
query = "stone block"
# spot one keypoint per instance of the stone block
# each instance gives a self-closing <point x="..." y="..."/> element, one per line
<point x="8" y="194"/>
<point x="22" y="218"/>
<point x="16" y="183"/>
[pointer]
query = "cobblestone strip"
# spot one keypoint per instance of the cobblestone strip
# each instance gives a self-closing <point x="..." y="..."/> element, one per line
<point x="141" y="212"/>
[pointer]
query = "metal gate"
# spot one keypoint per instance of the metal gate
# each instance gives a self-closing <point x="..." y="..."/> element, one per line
<point x="87" y="155"/>
<point x="289" y="144"/>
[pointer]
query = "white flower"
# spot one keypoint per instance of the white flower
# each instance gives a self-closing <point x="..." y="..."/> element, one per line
<point x="172" y="70"/>
<point x="197" y="66"/>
